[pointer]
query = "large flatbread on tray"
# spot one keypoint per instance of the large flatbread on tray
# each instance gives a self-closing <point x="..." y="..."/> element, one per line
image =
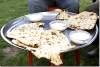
<point x="84" y="20"/>
<point x="42" y="43"/>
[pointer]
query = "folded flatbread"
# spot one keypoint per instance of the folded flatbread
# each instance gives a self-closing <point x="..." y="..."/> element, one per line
<point x="42" y="43"/>
<point x="84" y="20"/>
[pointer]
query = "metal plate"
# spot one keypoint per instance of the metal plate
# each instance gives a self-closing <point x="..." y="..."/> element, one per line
<point x="46" y="18"/>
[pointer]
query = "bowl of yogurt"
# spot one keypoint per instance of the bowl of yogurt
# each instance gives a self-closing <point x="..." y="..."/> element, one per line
<point x="59" y="24"/>
<point x="80" y="36"/>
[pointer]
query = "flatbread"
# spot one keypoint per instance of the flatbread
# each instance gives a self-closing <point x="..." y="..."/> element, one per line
<point x="85" y="20"/>
<point x="42" y="43"/>
<point x="63" y="15"/>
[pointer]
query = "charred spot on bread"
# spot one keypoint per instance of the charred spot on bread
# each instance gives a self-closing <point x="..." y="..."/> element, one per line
<point x="36" y="46"/>
<point x="30" y="45"/>
<point x="91" y="14"/>
<point x="34" y="50"/>
<point x="53" y="33"/>
<point x="41" y="26"/>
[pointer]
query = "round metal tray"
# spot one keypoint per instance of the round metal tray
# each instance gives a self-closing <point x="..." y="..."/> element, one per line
<point x="46" y="18"/>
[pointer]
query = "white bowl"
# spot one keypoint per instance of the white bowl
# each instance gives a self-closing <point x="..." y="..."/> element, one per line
<point x="59" y="25"/>
<point x="80" y="36"/>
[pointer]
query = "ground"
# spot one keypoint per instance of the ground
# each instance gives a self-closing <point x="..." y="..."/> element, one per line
<point x="12" y="56"/>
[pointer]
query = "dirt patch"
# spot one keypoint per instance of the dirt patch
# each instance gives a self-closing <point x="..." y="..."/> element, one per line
<point x="11" y="51"/>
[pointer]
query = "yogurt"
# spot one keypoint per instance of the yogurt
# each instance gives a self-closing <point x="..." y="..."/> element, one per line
<point x="80" y="37"/>
<point x="59" y="25"/>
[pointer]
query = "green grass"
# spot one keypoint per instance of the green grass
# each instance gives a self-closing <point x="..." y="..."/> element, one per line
<point x="10" y="9"/>
<point x="84" y="4"/>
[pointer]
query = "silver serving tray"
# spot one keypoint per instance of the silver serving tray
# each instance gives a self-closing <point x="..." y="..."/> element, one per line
<point x="46" y="18"/>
